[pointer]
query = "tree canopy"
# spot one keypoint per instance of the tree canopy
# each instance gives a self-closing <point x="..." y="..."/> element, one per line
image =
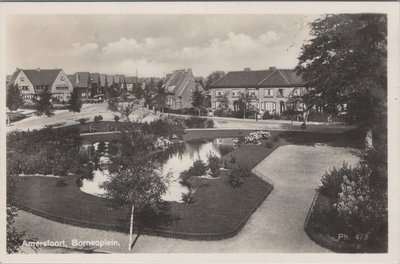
<point x="13" y="99"/>
<point x="43" y="105"/>
<point x="344" y="65"/>
<point x="75" y="102"/>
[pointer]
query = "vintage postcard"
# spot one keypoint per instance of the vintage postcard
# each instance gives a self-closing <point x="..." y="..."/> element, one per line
<point x="200" y="132"/>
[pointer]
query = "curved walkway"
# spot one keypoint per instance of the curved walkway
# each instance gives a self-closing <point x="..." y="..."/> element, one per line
<point x="276" y="226"/>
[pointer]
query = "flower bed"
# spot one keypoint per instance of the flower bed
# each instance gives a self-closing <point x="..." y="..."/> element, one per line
<point x="257" y="137"/>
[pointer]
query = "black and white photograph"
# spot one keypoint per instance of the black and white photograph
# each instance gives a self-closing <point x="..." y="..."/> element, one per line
<point x="200" y="128"/>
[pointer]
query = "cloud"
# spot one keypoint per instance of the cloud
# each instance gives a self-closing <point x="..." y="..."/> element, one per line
<point x="83" y="49"/>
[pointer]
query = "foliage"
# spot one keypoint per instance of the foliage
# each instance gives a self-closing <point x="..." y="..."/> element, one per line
<point x="198" y="99"/>
<point x="13" y="98"/>
<point x="188" y="198"/>
<point x="238" y="174"/>
<point x="244" y="100"/>
<point x="126" y="109"/>
<point x="338" y="74"/>
<point x="139" y="183"/>
<point x="198" y="122"/>
<point x="257" y="137"/>
<point x="199" y="168"/>
<point x="43" y="105"/>
<point x="47" y="151"/>
<point x="75" y="103"/>
<point x="116" y="118"/>
<point x="82" y="121"/>
<point x="212" y="77"/>
<point x="213" y="164"/>
<point x="98" y="118"/>
<point x="233" y="159"/>
<point x="269" y="144"/>
<point x="61" y="183"/>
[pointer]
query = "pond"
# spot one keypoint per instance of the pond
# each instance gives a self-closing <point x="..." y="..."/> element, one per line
<point x="174" y="160"/>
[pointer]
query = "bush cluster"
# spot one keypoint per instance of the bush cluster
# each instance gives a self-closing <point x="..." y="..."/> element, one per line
<point x="238" y="174"/>
<point x="214" y="164"/>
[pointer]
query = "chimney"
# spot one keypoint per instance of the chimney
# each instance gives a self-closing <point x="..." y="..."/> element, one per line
<point x="76" y="78"/>
<point x="38" y="69"/>
<point x="247" y="69"/>
<point x="272" y="68"/>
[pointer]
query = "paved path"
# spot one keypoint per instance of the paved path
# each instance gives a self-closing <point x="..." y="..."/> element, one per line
<point x="276" y="226"/>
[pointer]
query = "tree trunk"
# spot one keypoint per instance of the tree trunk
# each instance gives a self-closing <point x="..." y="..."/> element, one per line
<point x="131" y="228"/>
<point x="305" y="117"/>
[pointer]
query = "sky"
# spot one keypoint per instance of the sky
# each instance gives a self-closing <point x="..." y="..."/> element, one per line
<point x="154" y="45"/>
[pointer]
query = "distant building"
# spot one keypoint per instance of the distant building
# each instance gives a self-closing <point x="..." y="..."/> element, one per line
<point x="130" y="83"/>
<point x="33" y="82"/>
<point x="178" y="88"/>
<point x="94" y="83"/>
<point x="81" y="81"/>
<point x="103" y="82"/>
<point x="270" y="88"/>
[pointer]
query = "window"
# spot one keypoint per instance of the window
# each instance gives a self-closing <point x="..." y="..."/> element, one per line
<point x="268" y="92"/>
<point x="280" y="92"/>
<point x="235" y="93"/>
<point x="62" y="78"/>
<point x="268" y="106"/>
<point x="21" y="79"/>
<point x="252" y="92"/>
<point x="61" y="87"/>
<point x="217" y="105"/>
<point x="23" y="88"/>
<point x="218" y="93"/>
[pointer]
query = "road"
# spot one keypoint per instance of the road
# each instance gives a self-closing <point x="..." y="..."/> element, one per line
<point x="91" y="110"/>
<point x="276" y="226"/>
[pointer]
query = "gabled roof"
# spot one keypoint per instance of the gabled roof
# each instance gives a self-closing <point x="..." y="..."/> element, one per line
<point x="119" y="78"/>
<point x="14" y="76"/>
<point x="40" y="77"/>
<point x="95" y="78"/>
<point x="179" y="81"/>
<point x="103" y="79"/>
<point x="257" y="79"/>
<point x="110" y="79"/>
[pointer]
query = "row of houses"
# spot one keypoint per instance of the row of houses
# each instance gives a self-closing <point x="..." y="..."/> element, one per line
<point x="89" y="85"/>
<point x="269" y="89"/>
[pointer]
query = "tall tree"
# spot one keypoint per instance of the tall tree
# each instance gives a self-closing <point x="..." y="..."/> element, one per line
<point x="43" y="105"/>
<point x="245" y="101"/>
<point x="212" y="77"/>
<point x="161" y="96"/>
<point x="75" y="102"/>
<point x="138" y="184"/>
<point x="344" y="64"/>
<point x="14" y="98"/>
<point x="198" y="99"/>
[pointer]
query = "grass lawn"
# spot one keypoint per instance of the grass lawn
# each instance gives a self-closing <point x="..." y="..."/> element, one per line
<point x="218" y="208"/>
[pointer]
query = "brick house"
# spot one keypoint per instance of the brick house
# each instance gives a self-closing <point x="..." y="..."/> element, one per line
<point x="81" y="81"/>
<point x="33" y="82"/>
<point x="270" y="88"/>
<point x="178" y="88"/>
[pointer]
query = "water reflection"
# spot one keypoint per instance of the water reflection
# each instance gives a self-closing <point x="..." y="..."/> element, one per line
<point x="174" y="160"/>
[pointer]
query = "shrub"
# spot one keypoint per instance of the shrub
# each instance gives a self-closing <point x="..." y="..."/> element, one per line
<point x="116" y="118"/>
<point x="332" y="180"/>
<point x="213" y="164"/>
<point x="82" y="121"/>
<point x="61" y="183"/>
<point x="238" y="175"/>
<point x="199" y="168"/>
<point x="209" y="123"/>
<point x="98" y="118"/>
<point x="188" y="197"/>
<point x="101" y="147"/>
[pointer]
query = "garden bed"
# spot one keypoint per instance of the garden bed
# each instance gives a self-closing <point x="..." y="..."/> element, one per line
<point x="218" y="211"/>
<point x="325" y="232"/>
